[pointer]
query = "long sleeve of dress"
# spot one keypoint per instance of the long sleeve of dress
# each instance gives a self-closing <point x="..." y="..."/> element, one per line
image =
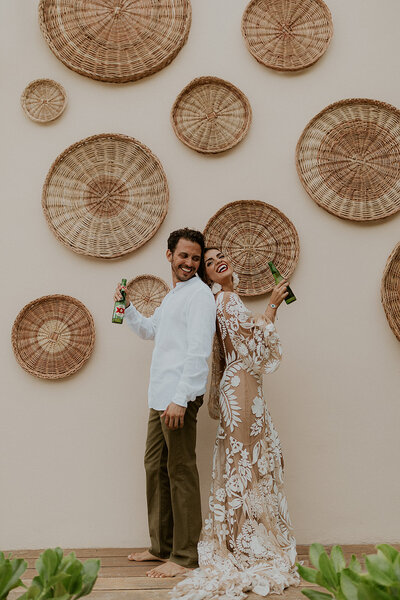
<point x="254" y="338"/>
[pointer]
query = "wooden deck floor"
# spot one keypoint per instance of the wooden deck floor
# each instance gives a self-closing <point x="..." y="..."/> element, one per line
<point x="120" y="579"/>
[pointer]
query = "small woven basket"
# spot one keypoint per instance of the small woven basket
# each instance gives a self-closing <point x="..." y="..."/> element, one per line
<point x="348" y="159"/>
<point x="43" y="100"/>
<point x="146" y="293"/>
<point x="105" y="196"/>
<point x="211" y="115"/>
<point x="252" y="233"/>
<point x="115" y="40"/>
<point x="287" y="35"/>
<point x="53" y="336"/>
<point x="390" y="291"/>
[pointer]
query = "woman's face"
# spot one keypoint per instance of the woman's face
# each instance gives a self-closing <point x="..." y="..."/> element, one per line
<point x="217" y="266"/>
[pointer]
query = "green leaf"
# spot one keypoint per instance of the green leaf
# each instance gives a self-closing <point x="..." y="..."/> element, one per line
<point x="307" y="574"/>
<point x="338" y="559"/>
<point x="314" y="595"/>
<point x="396" y="567"/>
<point x="389" y="552"/>
<point x="348" y="586"/>
<point x="89" y="575"/>
<point x="370" y="591"/>
<point x="10" y="573"/>
<point x="328" y="571"/>
<point x="74" y="584"/>
<point x="380" y="569"/>
<point x="47" y="563"/>
<point x="315" y="552"/>
<point x="354" y="564"/>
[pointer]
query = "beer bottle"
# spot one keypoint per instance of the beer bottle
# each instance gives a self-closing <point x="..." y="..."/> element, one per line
<point x="278" y="277"/>
<point x="119" y="307"/>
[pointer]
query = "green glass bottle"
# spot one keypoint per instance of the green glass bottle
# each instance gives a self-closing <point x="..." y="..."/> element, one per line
<point x="278" y="277"/>
<point x="119" y="307"/>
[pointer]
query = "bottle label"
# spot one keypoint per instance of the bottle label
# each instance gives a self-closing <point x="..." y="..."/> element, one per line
<point x="119" y="311"/>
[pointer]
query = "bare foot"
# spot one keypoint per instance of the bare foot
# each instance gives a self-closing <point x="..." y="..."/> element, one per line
<point x="168" y="569"/>
<point x="144" y="556"/>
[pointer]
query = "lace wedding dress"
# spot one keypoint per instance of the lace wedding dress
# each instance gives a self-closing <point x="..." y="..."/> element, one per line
<point x="246" y="542"/>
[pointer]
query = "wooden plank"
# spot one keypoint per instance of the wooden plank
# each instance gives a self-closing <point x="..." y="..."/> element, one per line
<point x="106" y="561"/>
<point x="80" y="552"/>
<point x="129" y="571"/>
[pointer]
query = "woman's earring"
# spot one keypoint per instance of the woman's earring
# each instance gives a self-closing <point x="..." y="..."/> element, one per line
<point x="216" y="287"/>
<point x="235" y="280"/>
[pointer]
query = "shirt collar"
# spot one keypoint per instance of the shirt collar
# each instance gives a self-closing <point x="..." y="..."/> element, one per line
<point x="181" y="284"/>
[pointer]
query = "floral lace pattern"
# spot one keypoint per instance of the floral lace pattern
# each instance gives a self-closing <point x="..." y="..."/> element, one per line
<point x="246" y="542"/>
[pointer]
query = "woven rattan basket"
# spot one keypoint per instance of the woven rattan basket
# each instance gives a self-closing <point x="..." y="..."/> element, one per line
<point x="43" y="100"/>
<point x="348" y="159"/>
<point x="252" y="233"/>
<point x="53" y="336"/>
<point x="105" y="196"/>
<point x="115" y="40"/>
<point x="390" y="291"/>
<point x="211" y="115"/>
<point x="287" y="35"/>
<point x="146" y="293"/>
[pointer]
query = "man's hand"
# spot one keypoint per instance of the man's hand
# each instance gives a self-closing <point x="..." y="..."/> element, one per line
<point x="174" y="416"/>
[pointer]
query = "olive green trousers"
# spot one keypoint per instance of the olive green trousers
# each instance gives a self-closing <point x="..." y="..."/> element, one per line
<point x="172" y="487"/>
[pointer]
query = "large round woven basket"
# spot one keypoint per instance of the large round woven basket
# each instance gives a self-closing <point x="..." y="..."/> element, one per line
<point x="105" y="196"/>
<point x="252" y="233"/>
<point x="146" y="293"/>
<point x="287" y="35"/>
<point x="44" y="100"/>
<point x="115" y="40"/>
<point x="348" y="159"/>
<point x="390" y="290"/>
<point x="211" y="115"/>
<point x="53" y="336"/>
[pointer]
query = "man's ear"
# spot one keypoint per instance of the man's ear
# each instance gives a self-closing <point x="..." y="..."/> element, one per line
<point x="168" y="254"/>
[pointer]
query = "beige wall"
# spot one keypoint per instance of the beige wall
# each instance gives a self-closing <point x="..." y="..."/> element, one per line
<point x="71" y="451"/>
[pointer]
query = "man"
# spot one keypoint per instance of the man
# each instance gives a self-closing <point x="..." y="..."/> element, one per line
<point x="183" y="328"/>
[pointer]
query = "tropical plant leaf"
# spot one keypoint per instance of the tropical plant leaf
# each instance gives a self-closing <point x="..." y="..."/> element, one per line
<point x="338" y="559"/>
<point x="307" y="574"/>
<point x="354" y="564"/>
<point x="370" y="591"/>
<point x="348" y="586"/>
<point x="89" y="575"/>
<point x="380" y="569"/>
<point x="328" y="571"/>
<point x="315" y="552"/>
<point x="314" y="595"/>
<point x="10" y="573"/>
<point x="388" y="551"/>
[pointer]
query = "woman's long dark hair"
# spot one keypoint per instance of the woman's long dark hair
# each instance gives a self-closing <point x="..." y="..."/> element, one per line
<point x="202" y="268"/>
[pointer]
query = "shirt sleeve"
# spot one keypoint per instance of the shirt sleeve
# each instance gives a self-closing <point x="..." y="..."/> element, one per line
<point x="201" y="316"/>
<point x="144" y="327"/>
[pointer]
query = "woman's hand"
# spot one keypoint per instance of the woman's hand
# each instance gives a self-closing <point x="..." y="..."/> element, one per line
<point x="118" y="295"/>
<point x="279" y="293"/>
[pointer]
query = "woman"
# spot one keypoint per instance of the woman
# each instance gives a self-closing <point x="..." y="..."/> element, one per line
<point x="246" y="542"/>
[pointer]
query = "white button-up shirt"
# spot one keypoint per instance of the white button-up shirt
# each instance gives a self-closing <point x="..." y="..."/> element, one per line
<point x="182" y="328"/>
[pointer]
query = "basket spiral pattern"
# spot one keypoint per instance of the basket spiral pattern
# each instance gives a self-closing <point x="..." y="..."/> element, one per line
<point x="115" y="40"/>
<point x="53" y="336"/>
<point x="348" y="159"/>
<point x="43" y="100"/>
<point x="211" y="115"/>
<point x="287" y="35"/>
<point x="147" y="292"/>
<point x="252" y="233"/>
<point x="105" y="196"/>
<point x="390" y="291"/>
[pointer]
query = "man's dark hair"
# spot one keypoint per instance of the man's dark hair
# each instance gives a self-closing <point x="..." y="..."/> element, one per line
<point x="187" y="234"/>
